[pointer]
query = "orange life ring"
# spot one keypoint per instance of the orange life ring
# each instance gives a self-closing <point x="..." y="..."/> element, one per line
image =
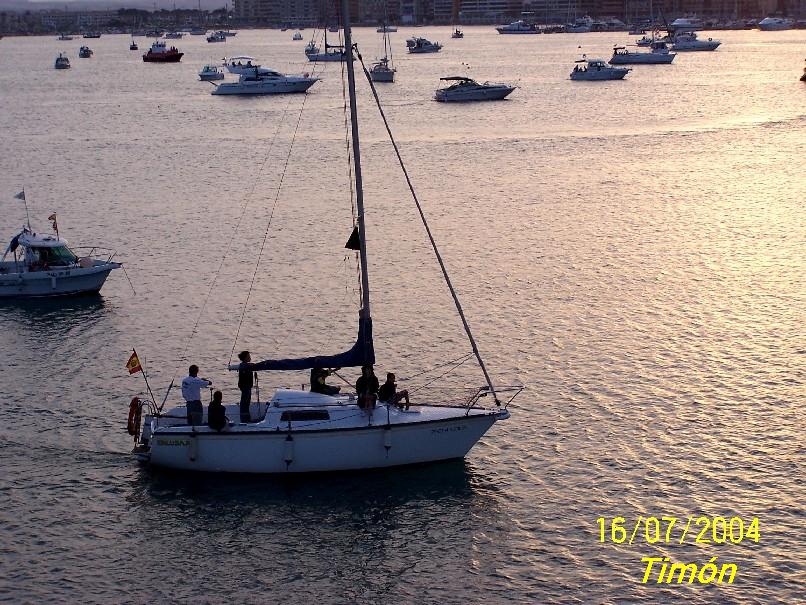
<point x="135" y="412"/>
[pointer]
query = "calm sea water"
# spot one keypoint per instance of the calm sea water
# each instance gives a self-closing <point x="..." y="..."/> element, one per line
<point x="633" y="252"/>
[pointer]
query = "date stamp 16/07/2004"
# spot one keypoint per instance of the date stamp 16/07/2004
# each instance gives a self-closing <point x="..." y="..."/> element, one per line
<point x="678" y="530"/>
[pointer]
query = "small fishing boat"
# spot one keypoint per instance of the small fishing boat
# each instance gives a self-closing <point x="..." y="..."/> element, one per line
<point x="85" y="52"/>
<point x="62" y="62"/>
<point x="133" y="46"/>
<point x="160" y="53"/>
<point x="209" y="73"/>
<point x="44" y="265"/>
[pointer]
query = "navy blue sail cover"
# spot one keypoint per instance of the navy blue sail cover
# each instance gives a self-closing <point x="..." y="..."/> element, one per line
<point x="361" y="353"/>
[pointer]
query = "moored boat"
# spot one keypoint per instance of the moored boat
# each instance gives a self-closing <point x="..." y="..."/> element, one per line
<point x="217" y="37"/>
<point x="265" y="81"/>
<point x="62" y="62"/>
<point x="464" y="89"/>
<point x="518" y="27"/>
<point x="658" y="55"/>
<point x="133" y="45"/>
<point x="160" y="53"/>
<point x="209" y="73"/>
<point x="688" y="41"/>
<point x="593" y="70"/>
<point x="774" y="24"/>
<point x="85" y="52"/>
<point x="418" y="45"/>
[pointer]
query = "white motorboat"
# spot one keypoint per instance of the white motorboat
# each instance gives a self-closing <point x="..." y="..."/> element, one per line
<point x="306" y="432"/>
<point x="418" y="45"/>
<point x="297" y="36"/>
<point x="774" y="24"/>
<point x="174" y="35"/>
<point x="688" y="41"/>
<point x="333" y="52"/>
<point x="593" y="70"/>
<point x="686" y="24"/>
<point x="311" y="48"/>
<point x="658" y="55"/>
<point x="518" y="27"/>
<point x="386" y="29"/>
<point x="580" y="25"/>
<point x="466" y="89"/>
<point x="62" y="62"/>
<point x="44" y="265"/>
<point x="85" y="52"/>
<point x="216" y="38"/>
<point x="265" y="81"/>
<point x="646" y="41"/>
<point x="210" y="72"/>
<point x="243" y="64"/>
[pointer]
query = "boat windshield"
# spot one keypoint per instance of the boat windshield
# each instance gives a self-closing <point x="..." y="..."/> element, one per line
<point x="51" y="256"/>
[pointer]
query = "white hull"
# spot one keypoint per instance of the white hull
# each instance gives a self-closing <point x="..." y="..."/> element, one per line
<point x="327" y="57"/>
<point x="265" y="87"/>
<point x="697" y="45"/>
<point x="382" y="75"/>
<point x="593" y="75"/>
<point x="210" y="77"/>
<point x="56" y="282"/>
<point x="642" y="59"/>
<point x="462" y="96"/>
<point x="259" y="449"/>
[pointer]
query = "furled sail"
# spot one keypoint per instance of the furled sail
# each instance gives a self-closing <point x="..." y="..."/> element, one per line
<point x="361" y="353"/>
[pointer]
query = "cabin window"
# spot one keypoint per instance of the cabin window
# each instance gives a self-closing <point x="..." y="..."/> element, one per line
<point x="304" y="415"/>
<point x="59" y="256"/>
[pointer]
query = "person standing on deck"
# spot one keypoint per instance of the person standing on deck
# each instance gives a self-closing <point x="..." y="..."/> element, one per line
<point x="191" y="391"/>
<point x="246" y="380"/>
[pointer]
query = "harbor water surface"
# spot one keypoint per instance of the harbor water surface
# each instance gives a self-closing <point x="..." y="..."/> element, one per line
<point x="633" y="252"/>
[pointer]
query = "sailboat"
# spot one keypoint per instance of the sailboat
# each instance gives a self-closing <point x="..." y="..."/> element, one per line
<point x="384" y="70"/>
<point x="300" y="431"/>
<point x="332" y="53"/>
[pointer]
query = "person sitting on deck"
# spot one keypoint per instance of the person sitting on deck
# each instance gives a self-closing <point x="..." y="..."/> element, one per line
<point x="318" y="385"/>
<point x="216" y="414"/>
<point x="366" y="387"/>
<point x="388" y="393"/>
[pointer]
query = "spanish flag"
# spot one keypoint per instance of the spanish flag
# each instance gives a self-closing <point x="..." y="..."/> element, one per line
<point x="133" y="365"/>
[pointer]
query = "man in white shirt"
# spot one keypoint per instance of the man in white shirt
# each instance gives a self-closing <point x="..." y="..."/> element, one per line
<point x="191" y="391"/>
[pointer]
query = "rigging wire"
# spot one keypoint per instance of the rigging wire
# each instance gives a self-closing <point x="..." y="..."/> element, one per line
<point x="268" y="227"/>
<point x="455" y="297"/>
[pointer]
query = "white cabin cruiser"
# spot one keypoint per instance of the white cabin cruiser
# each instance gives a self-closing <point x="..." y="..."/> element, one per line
<point x="466" y="89"/>
<point x="659" y="54"/>
<point x="593" y="70"/>
<point x="243" y="64"/>
<point x="265" y="82"/>
<point x="689" y="24"/>
<point x="305" y="432"/>
<point x="418" y="45"/>
<point x="774" y="24"/>
<point x="210" y="73"/>
<point x="518" y="27"/>
<point x="44" y="265"/>
<point x="688" y="41"/>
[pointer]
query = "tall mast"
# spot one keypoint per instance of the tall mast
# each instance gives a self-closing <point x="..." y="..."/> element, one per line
<point x="359" y="186"/>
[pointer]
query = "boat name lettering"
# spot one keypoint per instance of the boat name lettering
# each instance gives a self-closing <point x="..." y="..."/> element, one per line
<point x="449" y="429"/>
<point x="183" y="442"/>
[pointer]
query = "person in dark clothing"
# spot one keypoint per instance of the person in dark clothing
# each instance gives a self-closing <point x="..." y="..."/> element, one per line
<point x="246" y="380"/>
<point x="216" y="414"/>
<point x="366" y="387"/>
<point x="388" y="393"/>
<point x="318" y="384"/>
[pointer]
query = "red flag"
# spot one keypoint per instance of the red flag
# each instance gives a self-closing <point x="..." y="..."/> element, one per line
<point x="133" y="365"/>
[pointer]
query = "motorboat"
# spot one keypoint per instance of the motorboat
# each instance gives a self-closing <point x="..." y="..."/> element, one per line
<point x="299" y="431"/>
<point x="160" y="53"/>
<point x="65" y="37"/>
<point x="518" y="27"/>
<point x="62" y="62"/>
<point x="386" y="29"/>
<point x="133" y="46"/>
<point x="216" y="38"/>
<point x="332" y="53"/>
<point x="85" y="52"/>
<point x="686" y="24"/>
<point x="382" y="72"/>
<point x="688" y="41"/>
<point x="311" y="48"/>
<point x="174" y="35"/>
<point x="580" y="25"/>
<point x="659" y="54"/>
<point x="209" y="73"/>
<point x="457" y="33"/>
<point x="44" y="265"/>
<point x="770" y="24"/>
<point x="418" y="45"/>
<point x="594" y="70"/>
<point x="154" y="33"/>
<point x="265" y="82"/>
<point x="92" y="35"/>
<point x="297" y="36"/>
<point x="466" y="89"/>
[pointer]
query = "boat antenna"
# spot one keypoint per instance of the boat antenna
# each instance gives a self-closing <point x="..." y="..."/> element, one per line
<point x="359" y="187"/>
<point x="456" y="302"/>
